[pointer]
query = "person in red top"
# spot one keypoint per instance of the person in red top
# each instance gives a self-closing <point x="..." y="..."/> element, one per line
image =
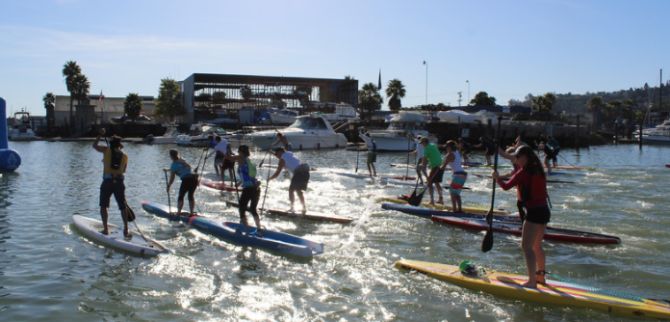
<point x="531" y="183"/>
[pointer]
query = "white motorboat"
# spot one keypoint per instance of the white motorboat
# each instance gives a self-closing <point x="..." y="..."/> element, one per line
<point x="308" y="132"/>
<point x="20" y="128"/>
<point x="203" y="136"/>
<point x="460" y="116"/>
<point x="400" y="135"/>
<point x="343" y="112"/>
<point x="282" y="116"/>
<point x="169" y="137"/>
<point x="657" y="135"/>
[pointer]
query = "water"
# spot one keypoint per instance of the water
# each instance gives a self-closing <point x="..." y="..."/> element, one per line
<point x="49" y="272"/>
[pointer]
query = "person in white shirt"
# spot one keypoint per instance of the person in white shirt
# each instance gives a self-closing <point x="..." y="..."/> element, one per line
<point x="299" y="179"/>
<point x="221" y="164"/>
<point x="454" y="160"/>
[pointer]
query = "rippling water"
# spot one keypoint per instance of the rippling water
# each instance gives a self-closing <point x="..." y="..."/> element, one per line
<point x="49" y="272"/>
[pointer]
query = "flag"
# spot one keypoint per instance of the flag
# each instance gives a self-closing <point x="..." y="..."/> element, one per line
<point x="379" y="81"/>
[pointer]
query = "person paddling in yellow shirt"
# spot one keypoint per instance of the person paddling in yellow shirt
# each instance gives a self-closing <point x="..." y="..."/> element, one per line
<point x="115" y="164"/>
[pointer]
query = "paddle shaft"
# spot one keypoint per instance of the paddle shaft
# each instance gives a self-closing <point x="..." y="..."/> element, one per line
<point x="167" y="191"/>
<point x="487" y="243"/>
<point x="358" y="151"/>
<point x="408" y="150"/>
<point x="267" y="185"/>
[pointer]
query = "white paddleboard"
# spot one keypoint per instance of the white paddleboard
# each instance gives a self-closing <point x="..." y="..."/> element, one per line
<point x="92" y="228"/>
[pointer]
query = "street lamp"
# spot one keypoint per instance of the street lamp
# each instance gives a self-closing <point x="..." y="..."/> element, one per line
<point x="468" y="82"/>
<point x="426" y="64"/>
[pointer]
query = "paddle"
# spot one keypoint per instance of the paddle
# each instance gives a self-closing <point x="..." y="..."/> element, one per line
<point x="165" y="171"/>
<point x="267" y="185"/>
<point x="358" y="151"/>
<point x="487" y="243"/>
<point x="408" y="150"/>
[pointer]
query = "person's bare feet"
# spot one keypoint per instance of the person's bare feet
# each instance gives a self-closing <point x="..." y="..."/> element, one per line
<point x="104" y="232"/>
<point x="529" y="285"/>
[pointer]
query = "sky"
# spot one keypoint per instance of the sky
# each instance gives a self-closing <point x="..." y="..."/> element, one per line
<point x="506" y="48"/>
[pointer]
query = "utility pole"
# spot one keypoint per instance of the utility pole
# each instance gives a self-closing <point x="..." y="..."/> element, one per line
<point x="468" y="82"/>
<point x="460" y="94"/>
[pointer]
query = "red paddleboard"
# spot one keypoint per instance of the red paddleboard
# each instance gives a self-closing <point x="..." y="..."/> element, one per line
<point x="218" y="185"/>
<point x="555" y="234"/>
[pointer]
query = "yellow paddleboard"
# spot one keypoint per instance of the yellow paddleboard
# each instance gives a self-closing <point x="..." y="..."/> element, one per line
<point x="480" y="210"/>
<point x="555" y="292"/>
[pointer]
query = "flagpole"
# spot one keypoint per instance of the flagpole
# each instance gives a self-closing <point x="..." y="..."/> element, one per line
<point x="426" y="64"/>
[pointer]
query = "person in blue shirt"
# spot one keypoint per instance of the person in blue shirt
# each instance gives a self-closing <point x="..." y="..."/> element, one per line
<point x="189" y="181"/>
<point x="251" y="187"/>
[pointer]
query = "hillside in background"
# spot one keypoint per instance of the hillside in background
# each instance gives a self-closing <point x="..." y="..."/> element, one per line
<point x="640" y="98"/>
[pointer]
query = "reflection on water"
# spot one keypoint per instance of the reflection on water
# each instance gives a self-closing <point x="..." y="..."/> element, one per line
<point x="47" y="271"/>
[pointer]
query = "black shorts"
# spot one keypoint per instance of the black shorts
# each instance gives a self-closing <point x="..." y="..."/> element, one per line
<point x="300" y="178"/>
<point x="188" y="184"/>
<point x="372" y="157"/>
<point x="538" y="215"/>
<point x="228" y="164"/>
<point x="114" y="187"/>
<point x="439" y="176"/>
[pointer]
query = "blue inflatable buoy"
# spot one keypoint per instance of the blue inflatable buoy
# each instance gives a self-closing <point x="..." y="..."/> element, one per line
<point x="9" y="159"/>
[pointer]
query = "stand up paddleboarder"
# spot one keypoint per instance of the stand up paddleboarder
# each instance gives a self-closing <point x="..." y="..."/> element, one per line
<point x="115" y="163"/>
<point x="189" y="181"/>
<point x="531" y="183"/>
<point x="299" y="179"/>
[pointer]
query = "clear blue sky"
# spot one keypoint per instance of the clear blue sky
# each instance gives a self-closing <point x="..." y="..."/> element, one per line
<point x="507" y="48"/>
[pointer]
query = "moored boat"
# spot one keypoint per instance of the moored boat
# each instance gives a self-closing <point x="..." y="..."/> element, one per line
<point x="400" y="135"/>
<point x="308" y="132"/>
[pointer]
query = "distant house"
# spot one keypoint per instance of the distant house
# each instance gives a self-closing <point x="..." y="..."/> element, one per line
<point x="104" y="109"/>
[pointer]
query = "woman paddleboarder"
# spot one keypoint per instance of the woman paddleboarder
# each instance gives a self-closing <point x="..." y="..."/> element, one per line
<point x="299" y="179"/>
<point x="251" y="187"/>
<point x="531" y="184"/>
<point x="189" y="181"/>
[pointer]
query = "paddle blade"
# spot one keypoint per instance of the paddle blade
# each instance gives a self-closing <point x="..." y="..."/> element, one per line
<point x="416" y="197"/>
<point x="130" y="214"/>
<point x="487" y="244"/>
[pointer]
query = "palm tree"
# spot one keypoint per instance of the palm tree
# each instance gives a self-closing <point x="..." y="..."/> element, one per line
<point x="395" y="90"/>
<point x="81" y="86"/>
<point x="70" y="70"/>
<point x="369" y="100"/>
<point x="49" y="104"/>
